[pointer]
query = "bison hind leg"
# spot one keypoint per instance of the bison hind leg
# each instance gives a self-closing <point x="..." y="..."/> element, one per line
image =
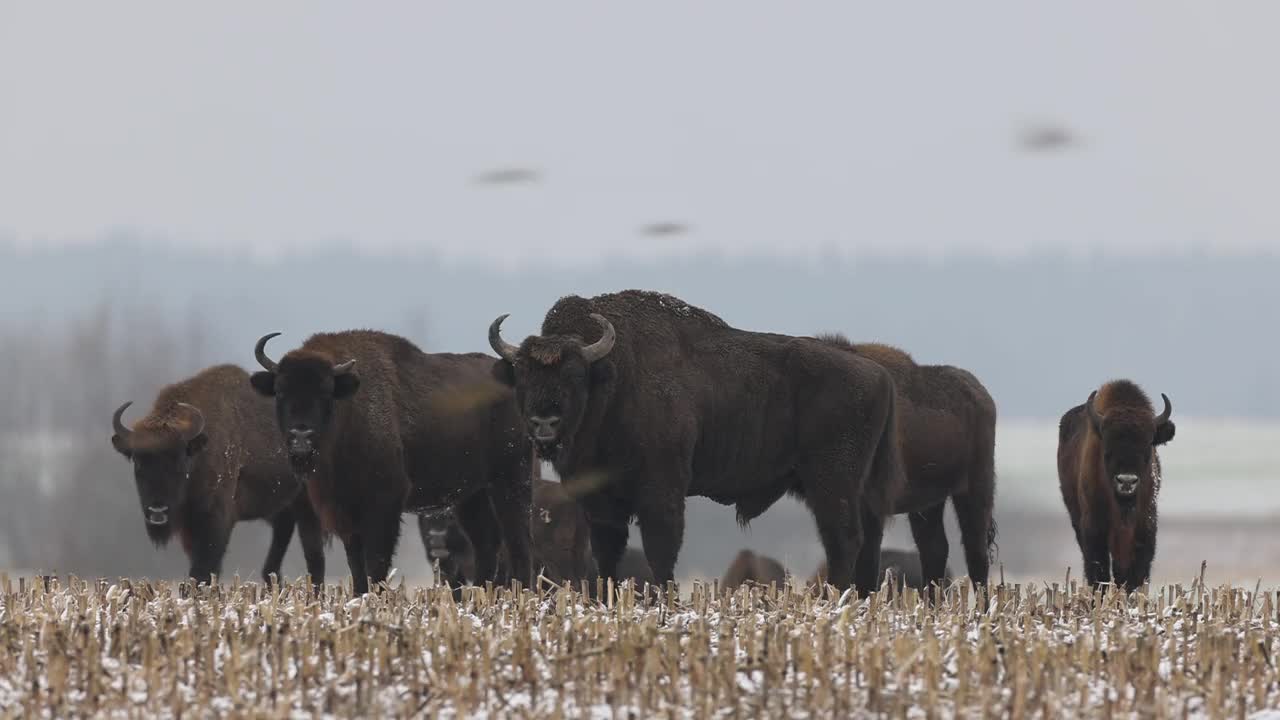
<point x="930" y="536"/>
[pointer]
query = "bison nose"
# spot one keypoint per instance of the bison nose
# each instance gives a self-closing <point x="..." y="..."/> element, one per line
<point x="300" y="442"/>
<point x="157" y="514"/>
<point x="1126" y="484"/>
<point x="544" y="428"/>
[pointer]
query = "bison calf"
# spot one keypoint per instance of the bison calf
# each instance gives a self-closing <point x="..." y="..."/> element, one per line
<point x="204" y="458"/>
<point x="426" y="431"/>
<point x="561" y="540"/>
<point x="1109" y="474"/>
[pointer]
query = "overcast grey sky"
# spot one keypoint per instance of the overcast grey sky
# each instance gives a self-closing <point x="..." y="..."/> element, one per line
<point x="791" y="128"/>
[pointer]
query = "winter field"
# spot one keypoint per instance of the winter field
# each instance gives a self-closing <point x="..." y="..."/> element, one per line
<point x="142" y="649"/>
<point x="1200" y="643"/>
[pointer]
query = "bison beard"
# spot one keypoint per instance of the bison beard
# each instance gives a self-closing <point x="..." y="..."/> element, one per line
<point x="651" y="400"/>
<point x="1109" y="475"/>
<point x="205" y="458"/>
<point x="406" y="432"/>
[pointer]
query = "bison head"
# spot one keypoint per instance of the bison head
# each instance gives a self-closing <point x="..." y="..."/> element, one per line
<point x="305" y="385"/>
<point x="554" y="377"/>
<point x="1128" y="436"/>
<point x="163" y="450"/>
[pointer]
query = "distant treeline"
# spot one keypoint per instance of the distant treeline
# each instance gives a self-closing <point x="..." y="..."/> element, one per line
<point x="1040" y="332"/>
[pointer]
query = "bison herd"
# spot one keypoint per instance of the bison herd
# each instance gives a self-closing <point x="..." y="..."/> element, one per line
<point x="638" y="400"/>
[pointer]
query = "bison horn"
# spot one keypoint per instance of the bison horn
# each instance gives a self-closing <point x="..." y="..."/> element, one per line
<point x="344" y="368"/>
<point x="260" y="352"/>
<point x="1168" y="410"/>
<point x="1094" y="417"/>
<point x="197" y="422"/>
<point x="505" y="350"/>
<point x="601" y="347"/>
<point x="116" y="424"/>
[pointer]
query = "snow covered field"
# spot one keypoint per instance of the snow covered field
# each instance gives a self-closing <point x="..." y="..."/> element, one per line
<point x="145" y="649"/>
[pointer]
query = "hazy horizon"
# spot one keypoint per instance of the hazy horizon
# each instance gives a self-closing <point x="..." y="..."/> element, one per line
<point x="571" y="130"/>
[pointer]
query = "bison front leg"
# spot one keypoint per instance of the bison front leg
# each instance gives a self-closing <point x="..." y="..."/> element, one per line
<point x="311" y="535"/>
<point x="511" y="508"/>
<point x="1097" y="556"/>
<point x="354" y="545"/>
<point x="662" y="532"/>
<point x="281" y="533"/>
<point x="476" y="515"/>
<point x="209" y="538"/>
<point x="840" y="529"/>
<point x="608" y="543"/>
<point x="381" y="533"/>
<point x="609" y="521"/>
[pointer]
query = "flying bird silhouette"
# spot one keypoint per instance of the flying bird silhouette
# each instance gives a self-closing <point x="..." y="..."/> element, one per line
<point x="508" y="176"/>
<point x="664" y="228"/>
<point x="1047" y="137"/>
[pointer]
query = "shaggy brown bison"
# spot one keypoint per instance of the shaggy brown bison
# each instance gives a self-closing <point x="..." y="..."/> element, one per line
<point x="640" y="400"/>
<point x="903" y="564"/>
<point x="750" y="567"/>
<point x="205" y="458"/>
<point x="947" y="432"/>
<point x="426" y="431"/>
<point x="1109" y="473"/>
<point x="561" y="540"/>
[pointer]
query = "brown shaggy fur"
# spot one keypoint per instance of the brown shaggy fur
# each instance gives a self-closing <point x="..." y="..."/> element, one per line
<point x="236" y="470"/>
<point x="946" y="431"/>
<point x="1116" y="533"/>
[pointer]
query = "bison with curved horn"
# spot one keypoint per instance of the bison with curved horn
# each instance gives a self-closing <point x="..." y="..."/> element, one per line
<point x="1109" y="474"/>
<point x="425" y="432"/>
<point x="947" y="431"/>
<point x="205" y="458"/>
<point x="640" y="400"/>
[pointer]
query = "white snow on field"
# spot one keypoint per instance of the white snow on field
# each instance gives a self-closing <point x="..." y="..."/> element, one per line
<point x="139" y="649"/>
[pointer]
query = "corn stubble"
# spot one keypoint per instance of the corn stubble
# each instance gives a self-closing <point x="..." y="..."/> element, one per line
<point x="157" y="649"/>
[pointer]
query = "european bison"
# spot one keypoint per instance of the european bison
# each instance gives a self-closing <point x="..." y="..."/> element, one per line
<point x="640" y="400"/>
<point x="561" y="536"/>
<point x="205" y="458"/>
<point x="426" y="431"/>
<point x="903" y="564"/>
<point x="561" y="540"/>
<point x="1109" y="473"/>
<point x="446" y="543"/>
<point x="750" y="567"/>
<point x="947" y="431"/>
